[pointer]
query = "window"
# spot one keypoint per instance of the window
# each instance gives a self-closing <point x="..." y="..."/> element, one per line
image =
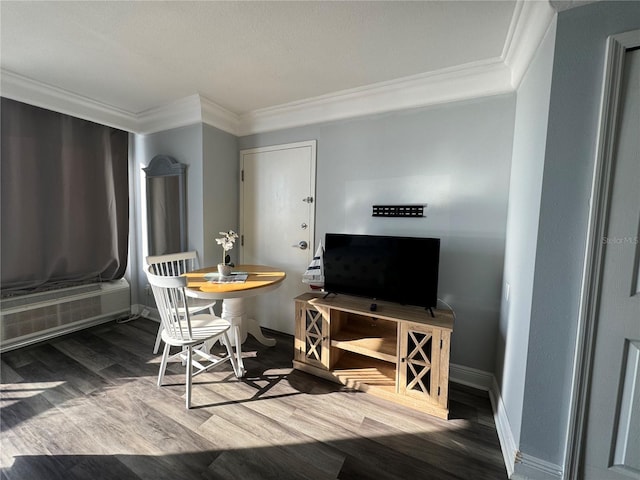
<point x="64" y="200"/>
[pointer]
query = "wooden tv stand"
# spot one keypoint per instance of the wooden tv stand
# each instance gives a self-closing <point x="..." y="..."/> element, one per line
<point x="396" y="352"/>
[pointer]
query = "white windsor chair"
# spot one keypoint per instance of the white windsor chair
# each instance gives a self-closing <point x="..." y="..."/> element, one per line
<point x="189" y="332"/>
<point x="173" y="265"/>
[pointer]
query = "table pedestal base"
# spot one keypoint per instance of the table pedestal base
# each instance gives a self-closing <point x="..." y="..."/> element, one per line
<point x="234" y="312"/>
<point x="253" y="327"/>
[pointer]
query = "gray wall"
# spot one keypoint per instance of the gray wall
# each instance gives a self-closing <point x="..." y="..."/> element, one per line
<point x="457" y="158"/>
<point x="185" y="145"/>
<point x="221" y="166"/>
<point x="211" y="156"/>
<point x="525" y="191"/>
<point x="454" y="157"/>
<point x="569" y="160"/>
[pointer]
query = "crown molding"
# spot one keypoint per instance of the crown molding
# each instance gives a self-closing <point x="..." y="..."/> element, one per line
<point x="529" y="23"/>
<point x="179" y="113"/>
<point x="475" y="80"/>
<point x="187" y="111"/>
<point x="219" y="117"/>
<point x="33" y="92"/>
<point x="182" y="112"/>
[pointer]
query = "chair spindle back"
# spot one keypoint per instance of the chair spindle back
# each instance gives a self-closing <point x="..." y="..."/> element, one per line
<point x="173" y="264"/>
<point x="170" y="300"/>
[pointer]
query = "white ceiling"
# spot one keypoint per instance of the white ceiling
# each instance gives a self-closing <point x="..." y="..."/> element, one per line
<point x="244" y="57"/>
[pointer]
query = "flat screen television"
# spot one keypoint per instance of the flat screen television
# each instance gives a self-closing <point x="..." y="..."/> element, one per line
<point x="397" y="269"/>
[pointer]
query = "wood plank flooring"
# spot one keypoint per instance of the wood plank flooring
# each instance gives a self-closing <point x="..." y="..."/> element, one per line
<point x="86" y="406"/>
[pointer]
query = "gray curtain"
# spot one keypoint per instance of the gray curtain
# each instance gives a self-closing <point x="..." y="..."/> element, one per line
<point x="64" y="192"/>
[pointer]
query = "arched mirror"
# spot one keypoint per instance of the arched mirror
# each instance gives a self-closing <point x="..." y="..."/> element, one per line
<point x="166" y="205"/>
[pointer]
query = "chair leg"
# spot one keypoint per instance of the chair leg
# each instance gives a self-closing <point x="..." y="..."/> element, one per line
<point x="184" y="362"/>
<point x="232" y="358"/>
<point x="163" y="363"/>
<point x="241" y="369"/>
<point x="209" y="343"/>
<point x="156" y="347"/>
<point x="188" y="375"/>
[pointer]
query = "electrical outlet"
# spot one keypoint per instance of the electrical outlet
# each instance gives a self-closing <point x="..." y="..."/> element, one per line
<point x="147" y="290"/>
<point x="145" y="312"/>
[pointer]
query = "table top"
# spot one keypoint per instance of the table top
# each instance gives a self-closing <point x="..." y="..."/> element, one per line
<point x="261" y="279"/>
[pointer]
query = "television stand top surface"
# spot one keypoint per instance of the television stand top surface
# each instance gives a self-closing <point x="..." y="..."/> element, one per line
<point x="386" y="310"/>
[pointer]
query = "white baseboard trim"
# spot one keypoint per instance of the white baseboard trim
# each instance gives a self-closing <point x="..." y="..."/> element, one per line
<point x="486" y="381"/>
<point x="532" y="468"/>
<point x="508" y="444"/>
<point x="471" y="377"/>
<point x="520" y="466"/>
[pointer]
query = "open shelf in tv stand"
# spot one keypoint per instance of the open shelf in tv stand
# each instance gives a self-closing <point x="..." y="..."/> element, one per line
<point x="397" y="352"/>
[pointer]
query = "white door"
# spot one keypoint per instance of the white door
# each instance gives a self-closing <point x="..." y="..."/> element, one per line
<point x="612" y="448"/>
<point x="277" y="206"/>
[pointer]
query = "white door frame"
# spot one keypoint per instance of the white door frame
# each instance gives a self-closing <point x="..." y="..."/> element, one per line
<point x="312" y="219"/>
<point x="617" y="45"/>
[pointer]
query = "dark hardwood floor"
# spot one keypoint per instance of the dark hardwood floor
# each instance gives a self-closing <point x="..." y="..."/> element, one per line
<point x="86" y="406"/>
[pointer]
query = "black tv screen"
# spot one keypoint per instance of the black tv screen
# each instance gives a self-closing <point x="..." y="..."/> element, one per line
<point x="396" y="269"/>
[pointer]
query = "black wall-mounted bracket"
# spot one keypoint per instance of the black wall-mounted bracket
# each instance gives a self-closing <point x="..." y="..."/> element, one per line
<point x="413" y="211"/>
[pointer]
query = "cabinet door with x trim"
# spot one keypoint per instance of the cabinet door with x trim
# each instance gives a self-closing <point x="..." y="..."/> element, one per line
<point x="422" y="373"/>
<point x="312" y="335"/>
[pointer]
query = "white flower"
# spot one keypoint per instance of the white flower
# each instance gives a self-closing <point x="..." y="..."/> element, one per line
<point x="227" y="240"/>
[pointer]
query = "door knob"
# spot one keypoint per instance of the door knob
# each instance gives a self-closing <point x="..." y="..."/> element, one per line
<point x="302" y="245"/>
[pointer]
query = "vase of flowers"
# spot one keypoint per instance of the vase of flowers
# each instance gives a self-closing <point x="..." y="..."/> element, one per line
<point x="226" y="241"/>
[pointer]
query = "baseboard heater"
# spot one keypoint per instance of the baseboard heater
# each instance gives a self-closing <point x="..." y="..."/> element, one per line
<point x="35" y="317"/>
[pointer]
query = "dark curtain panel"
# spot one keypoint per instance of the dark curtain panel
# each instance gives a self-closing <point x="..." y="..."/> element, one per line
<point x="65" y="195"/>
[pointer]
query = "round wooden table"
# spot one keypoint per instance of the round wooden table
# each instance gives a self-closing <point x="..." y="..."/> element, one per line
<point x="260" y="279"/>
